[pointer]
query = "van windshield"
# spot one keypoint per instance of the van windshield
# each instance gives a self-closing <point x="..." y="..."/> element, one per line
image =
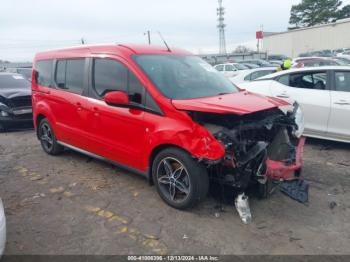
<point x="184" y="77"/>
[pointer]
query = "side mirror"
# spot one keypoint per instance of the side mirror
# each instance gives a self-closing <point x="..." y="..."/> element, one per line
<point x="117" y="98"/>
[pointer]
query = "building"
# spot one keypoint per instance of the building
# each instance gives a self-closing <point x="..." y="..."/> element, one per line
<point x="322" y="37"/>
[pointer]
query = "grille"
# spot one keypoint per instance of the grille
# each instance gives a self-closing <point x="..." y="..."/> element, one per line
<point x="21" y="101"/>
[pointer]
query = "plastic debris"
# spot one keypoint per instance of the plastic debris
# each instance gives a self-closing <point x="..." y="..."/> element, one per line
<point x="297" y="190"/>
<point x="243" y="209"/>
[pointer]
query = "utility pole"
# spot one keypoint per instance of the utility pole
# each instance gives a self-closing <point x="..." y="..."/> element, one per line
<point x="148" y="36"/>
<point x="222" y="41"/>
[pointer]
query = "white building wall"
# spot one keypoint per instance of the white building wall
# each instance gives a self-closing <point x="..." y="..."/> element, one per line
<point x="292" y="43"/>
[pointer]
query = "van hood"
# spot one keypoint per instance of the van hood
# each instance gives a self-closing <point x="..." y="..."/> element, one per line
<point x="240" y="103"/>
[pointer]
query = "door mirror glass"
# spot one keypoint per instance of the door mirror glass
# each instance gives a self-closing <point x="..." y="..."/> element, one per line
<point x="117" y="98"/>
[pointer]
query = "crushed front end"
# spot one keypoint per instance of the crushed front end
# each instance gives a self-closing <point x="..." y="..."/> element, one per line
<point x="260" y="148"/>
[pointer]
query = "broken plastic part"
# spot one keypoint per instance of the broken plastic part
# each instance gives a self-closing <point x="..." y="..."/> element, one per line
<point x="297" y="190"/>
<point x="243" y="209"/>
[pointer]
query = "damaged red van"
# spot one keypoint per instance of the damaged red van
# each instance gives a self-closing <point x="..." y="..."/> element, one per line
<point x="167" y="115"/>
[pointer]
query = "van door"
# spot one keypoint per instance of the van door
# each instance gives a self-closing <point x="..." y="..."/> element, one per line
<point x="311" y="90"/>
<point x="115" y="133"/>
<point x="339" y="124"/>
<point x="68" y="103"/>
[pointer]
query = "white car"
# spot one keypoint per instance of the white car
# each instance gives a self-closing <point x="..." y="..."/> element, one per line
<point x="345" y="54"/>
<point x="2" y="229"/>
<point x="230" y="69"/>
<point x="252" y="74"/>
<point x="322" y="92"/>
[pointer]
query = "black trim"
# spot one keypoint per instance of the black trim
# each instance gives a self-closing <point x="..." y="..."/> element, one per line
<point x="82" y="151"/>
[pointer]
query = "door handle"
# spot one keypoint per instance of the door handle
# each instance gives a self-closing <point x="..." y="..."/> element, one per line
<point x="342" y="102"/>
<point x="283" y="96"/>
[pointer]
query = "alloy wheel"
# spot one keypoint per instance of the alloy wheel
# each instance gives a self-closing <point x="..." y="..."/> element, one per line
<point x="173" y="179"/>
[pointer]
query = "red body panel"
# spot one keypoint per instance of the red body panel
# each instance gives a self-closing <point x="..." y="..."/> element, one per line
<point x="279" y="170"/>
<point x="129" y="136"/>
<point x="237" y="103"/>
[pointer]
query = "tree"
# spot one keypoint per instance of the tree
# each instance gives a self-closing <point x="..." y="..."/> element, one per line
<point x="315" y="12"/>
<point x="344" y="12"/>
<point x="242" y="49"/>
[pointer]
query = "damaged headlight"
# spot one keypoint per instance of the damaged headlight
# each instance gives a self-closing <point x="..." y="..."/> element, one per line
<point x="4" y="110"/>
<point x="299" y="120"/>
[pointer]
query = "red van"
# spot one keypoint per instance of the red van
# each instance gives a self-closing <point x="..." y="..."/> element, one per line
<point x="167" y="115"/>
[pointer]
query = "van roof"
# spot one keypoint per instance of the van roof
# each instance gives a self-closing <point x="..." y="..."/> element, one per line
<point x="115" y="49"/>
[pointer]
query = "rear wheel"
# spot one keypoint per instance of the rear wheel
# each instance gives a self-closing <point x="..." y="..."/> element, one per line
<point x="48" y="139"/>
<point x="180" y="181"/>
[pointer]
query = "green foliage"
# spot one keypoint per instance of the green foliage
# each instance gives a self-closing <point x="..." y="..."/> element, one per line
<point x="315" y="12"/>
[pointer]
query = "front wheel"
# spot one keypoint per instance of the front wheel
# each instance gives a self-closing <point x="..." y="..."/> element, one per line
<point x="48" y="139"/>
<point x="180" y="180"/>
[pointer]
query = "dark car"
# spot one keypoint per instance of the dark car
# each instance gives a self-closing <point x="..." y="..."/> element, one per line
<point x="24" y="71"/>
<point x="15" y="101"/>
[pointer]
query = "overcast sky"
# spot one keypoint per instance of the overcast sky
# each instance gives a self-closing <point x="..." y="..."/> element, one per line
<point x="29" y="26"/>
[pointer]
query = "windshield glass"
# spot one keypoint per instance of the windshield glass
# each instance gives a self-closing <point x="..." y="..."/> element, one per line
<point x="27" y="72"/>
<point x="13" y="81"/>
<point x="241" y="67"/>
<point x="184" y="77"/>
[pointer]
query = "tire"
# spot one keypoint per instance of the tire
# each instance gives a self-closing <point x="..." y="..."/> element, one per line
<point x="48" y="139"/>
<point x="180" y="181"/>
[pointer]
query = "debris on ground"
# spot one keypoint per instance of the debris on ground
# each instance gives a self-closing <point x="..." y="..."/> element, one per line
<point x="297" y="190"/>
<point x="332" y="205"/>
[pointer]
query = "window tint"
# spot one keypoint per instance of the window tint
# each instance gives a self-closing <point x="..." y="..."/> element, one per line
<point x="43" y="72"/>
<point x="136" y="90"/>
<point x="75" y="75"/>
<point x="70" y="75"/>
<point x="312" y="80"/>
<point x="342" y="81"/>
<point x="248" y="77"/>
<point x="284" y="80"/>
<point x="229" y="68"/>
<point x="109" y="75"/>
<point x="61" y="73"/>
<point x="219" y="68"/>
<point x="262" y="73"/>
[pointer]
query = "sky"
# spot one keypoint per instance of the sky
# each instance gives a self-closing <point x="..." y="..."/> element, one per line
<point x="30" y="26"/>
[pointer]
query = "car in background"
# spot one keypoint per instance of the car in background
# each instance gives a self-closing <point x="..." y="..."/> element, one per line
<point x="15" y="101"/>
<point x="322" y="92"/>
<point x="24" y="71"/>
<point x="258" y="62"/>
<point x="277" y="57"/>
<point x="250" y="66"/>
<point x="345" y="54"/>
<point x="230" y="69"/>
<point x="252" y="74"/>
<point x="2" y="229"/>
<point x="342" y="60"/>
<point x="314" y="62"/>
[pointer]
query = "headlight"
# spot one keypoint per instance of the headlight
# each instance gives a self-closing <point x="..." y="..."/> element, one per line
<point x="3" y="110"/>
<point x="299" y="121"/>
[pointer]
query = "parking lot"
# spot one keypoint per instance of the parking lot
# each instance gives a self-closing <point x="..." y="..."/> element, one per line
<point x="72" y="204"/>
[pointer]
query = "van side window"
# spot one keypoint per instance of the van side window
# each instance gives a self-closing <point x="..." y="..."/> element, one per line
<point x="43" y="72"/>
<point x="342" y="81"/>
<point x="110" y="75"/>
<point x="70" y="75"/>
<point x="75" y="75"/>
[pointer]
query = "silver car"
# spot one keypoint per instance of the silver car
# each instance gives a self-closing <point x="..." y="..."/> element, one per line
<point x="2" y="228"/>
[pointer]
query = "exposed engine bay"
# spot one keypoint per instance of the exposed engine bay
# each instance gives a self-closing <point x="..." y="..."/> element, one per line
<point x="259" y="147"/>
